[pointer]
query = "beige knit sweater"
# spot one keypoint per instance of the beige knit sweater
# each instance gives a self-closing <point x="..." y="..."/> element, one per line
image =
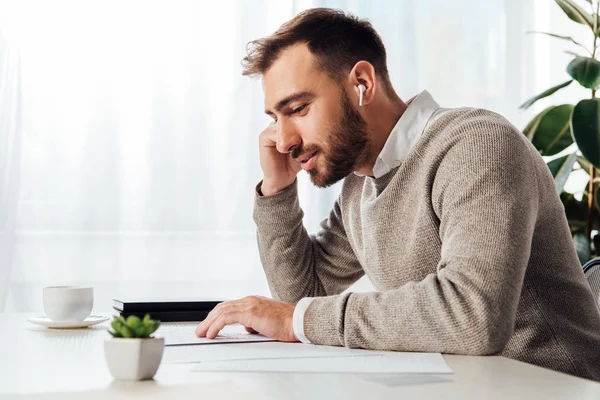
<point x="466" y="244"/>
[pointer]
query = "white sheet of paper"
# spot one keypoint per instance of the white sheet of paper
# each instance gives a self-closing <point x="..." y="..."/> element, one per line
<point x="405" y="380"/>
<point x="254" y="351"/>
<point x="183" y="333"/>
<point x="285" y="357"/>
<point x="393" y="363"/>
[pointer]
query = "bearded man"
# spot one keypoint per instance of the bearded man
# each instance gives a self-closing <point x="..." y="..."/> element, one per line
<point x="451" y="213"/>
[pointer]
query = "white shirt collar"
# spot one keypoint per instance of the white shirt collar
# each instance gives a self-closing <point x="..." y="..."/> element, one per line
<point x="405" y="134"/>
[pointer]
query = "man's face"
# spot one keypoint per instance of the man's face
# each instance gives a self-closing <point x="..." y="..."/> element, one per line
<point x="316" y="122"/>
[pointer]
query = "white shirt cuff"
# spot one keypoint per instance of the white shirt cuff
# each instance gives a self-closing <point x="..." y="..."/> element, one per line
<point x="298" y="319"/>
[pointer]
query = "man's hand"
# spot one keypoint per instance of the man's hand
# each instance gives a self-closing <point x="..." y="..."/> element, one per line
<point x="279" y="169"/>
<point x="258" y="314"/>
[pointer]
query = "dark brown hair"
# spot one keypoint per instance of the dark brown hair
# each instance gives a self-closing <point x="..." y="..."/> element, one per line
<point x="338" y="41"/>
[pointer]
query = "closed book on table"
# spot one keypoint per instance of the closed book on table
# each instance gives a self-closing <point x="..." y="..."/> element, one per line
<point x="167" y="316"/>
<point x="141" y="306"/>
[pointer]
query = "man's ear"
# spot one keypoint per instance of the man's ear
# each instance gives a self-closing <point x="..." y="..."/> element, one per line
<point x="363" y="73"/>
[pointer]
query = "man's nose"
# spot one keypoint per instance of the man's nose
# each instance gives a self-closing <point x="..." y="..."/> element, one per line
<point x="287" y="137"/>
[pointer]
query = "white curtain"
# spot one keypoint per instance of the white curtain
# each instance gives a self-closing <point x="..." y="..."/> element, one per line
<point x="128" y="136"/>
<point x="10" y="135"/>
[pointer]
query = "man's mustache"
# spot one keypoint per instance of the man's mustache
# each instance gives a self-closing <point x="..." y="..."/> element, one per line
<point x="298" y="151"/>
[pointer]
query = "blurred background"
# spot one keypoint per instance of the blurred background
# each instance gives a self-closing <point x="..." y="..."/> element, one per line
<point x="128" y="137"/>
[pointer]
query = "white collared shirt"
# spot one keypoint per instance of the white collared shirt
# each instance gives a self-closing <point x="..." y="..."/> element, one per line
<point x="421" y="112"/>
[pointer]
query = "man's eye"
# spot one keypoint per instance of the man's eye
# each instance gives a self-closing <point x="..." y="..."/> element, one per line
<point x="299" y="109"/>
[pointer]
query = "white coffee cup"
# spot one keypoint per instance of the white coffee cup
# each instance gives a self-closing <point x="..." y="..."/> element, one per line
<point x="68" y="303"/>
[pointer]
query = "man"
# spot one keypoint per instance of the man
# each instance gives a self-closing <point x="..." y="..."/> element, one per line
<point x="451" y="213"/>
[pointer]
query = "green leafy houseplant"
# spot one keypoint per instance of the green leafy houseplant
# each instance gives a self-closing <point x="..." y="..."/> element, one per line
<point x="557" y="127"/>
<point x="132" y="353"/>
<point x="133" y="327"/>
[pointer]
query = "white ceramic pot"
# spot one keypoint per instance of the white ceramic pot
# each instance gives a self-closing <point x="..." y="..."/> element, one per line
<point x="133" y="359"/>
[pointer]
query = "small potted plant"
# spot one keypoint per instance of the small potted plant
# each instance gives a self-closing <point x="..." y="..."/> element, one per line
<point x="132" y="353"/>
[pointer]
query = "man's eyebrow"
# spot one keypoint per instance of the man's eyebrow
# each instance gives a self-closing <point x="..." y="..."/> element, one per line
<point x="289" y="99"/>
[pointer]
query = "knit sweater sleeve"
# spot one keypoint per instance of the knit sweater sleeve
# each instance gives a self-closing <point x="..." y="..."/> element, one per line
<point x="485" y="196"/>
<point x="297" y="264"/>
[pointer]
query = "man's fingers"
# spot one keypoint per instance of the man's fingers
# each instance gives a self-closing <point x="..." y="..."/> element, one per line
<point x="241" y="306"/>
<point x="250" y="330"/>
<point x="204" y="325"/>
<point x="226" y="318"/>
<point x="268" y="137"/>
<point x="202" y="328"/>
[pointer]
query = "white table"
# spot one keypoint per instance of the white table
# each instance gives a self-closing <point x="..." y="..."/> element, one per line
<point x="43" y="363"/>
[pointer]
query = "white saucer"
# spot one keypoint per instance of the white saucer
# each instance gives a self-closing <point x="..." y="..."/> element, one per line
<point x="48" y="323"/>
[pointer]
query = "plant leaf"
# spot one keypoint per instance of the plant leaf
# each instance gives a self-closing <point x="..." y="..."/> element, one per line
<point x="532" y="126"/>
<point x="585" y="125"/>
<point x="569" y="38"/>
<point x="153" y="327"/>
<point x="586" y="71"/>
<point x="585" y="165"/>
<point x="545" y="93"/>
<point x="576" y="13"/>
<point x="577" y="212"/>
<point x="144" y="331"/>
<point x="127" y="332"/>
<point x="561" y="168"/>
<point x="572" y="53"/>
<point x="134" y="322"/>
<point x="550" y="131"/>
<point x="583" y="246"/>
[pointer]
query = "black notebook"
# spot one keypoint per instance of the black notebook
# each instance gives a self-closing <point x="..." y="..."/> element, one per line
<point x="167" y="316"/>
<point x="143" y="306"/>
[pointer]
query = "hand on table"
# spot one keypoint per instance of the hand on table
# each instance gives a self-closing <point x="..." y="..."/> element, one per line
<point x="258" y="314"/>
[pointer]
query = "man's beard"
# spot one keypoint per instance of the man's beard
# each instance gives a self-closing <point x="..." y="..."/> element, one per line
<point x="348" y="148"/>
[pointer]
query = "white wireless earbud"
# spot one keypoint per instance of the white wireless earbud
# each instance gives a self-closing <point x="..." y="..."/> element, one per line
<point x="362" y="89"/>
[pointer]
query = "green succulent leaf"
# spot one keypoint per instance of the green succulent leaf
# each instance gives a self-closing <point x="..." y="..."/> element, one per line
<point x="545" y="93"/>
<point x="133" y="327"/>
<point x="153" y="327"/>
<point x="561" y="168"/>
<point x="134" y="322"/>
<point x="583" y="246"/>
<point x="585" y="125"/>
<point x="576" y="13"/>
<point x="145" y="332"/>
<point x="127" y="332"/>
<point x="550" y="130"/>
<point x="115" y="324"/>
<point x="139" y="331"/>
